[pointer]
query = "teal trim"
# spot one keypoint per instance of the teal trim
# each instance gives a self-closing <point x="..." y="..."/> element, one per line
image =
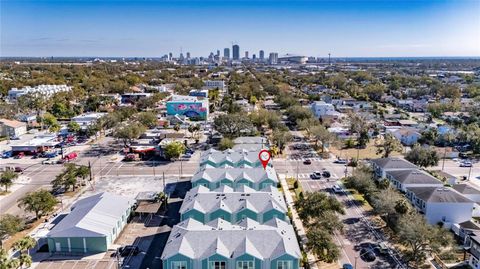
<point x="220" y="214"/>
<point x="246" y="213"/>
<point x="194" y="214"/>
<point x="273" y="213"/>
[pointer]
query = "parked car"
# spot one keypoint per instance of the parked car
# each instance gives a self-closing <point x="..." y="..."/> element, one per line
<point x="19" y="155"/>
<point x="18" y="169"/>
<point x="347" y="266"/>
<point x="314" y="175"/>
<point x="307" y="161"/>
<point x="49" y="161"/>
<point x="466" y="164"/>
<point x="128" y="250"/>
<point x="6" y="154"/>
<point x="326" y="174"/>
<point x="340" y="161"/>
<point x="14" y="138"/>
<point x="367" y="254"/>
<point x="337" y="189"/>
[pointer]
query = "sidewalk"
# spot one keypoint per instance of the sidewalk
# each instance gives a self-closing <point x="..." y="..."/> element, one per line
<point x="297" y="223"/>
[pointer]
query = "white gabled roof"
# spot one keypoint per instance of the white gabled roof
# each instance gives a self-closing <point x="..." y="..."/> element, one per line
<point x="94" y="216"/>
<point x="198" y="241"/>
<point x="234" y="174"/>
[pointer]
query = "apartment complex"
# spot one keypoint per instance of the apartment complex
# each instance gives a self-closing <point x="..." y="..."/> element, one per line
<point x="233" y="218"/>
<point x="40" y="90"/>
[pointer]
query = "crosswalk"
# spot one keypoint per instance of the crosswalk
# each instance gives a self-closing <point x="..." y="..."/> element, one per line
<point x="316" y="159"/>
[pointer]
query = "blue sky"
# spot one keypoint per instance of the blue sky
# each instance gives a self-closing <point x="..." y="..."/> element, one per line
<point x="345" y="28"/>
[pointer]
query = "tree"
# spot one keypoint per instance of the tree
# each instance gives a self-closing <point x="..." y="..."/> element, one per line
<point x="176" y="127"/>
<point x="298" y="113"/>
<point x="402" y="207"/>
<point x="128" y="132"/>
<point x="314" y="207"/>
<point x="83" y="172"/>
<point x="174" y="150"/>
<point x="322" y="135"/>
<point x="390" y="144"/>
<point x="24" y="244"/>
<point x="10" y="224"/>
<point x="422" y="156"/>
<point x="384" y="203"/>
<point x="233" y="125"/>
<point x="420" y="239"/>
<point x="194" y="129"/>
<point x="73" y="127"/>
<point x="320" y="242"/>
<point x="50" y="122"/>
<point x="360" y="126"/>
<point x="25" y="260"/>
<point x="40" y="202"/>
<point x="307" y="125"/>
<point x="280" y="139"/>
<point x="226" y="143"/>
<point x="148" y="119"/>
<point x="362" y="181"/>
<point x="7" y="178"/>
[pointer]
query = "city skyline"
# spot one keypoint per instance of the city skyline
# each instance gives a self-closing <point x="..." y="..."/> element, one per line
<point x="407" y="28"/>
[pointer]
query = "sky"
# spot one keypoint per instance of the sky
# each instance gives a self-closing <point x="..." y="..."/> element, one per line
<point x="344" y="28"/>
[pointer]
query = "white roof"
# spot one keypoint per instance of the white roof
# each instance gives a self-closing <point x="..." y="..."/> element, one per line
<point x="206" y="201"/>
<point x="94" y="216"/>
<point x="198" y="241"/>
<point x="253" y="175"/>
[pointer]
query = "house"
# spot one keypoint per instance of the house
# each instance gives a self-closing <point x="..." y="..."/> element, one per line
<point x="407" y="136"/>
<point x="230" y="158"/>
<point x="468" y="191"/>
<point x="256" y="178"/>
<point x="382" y="165"/>
<point x="403" y="179"/>
<point x="12" y="128"/>
<point x="474" y="250"/>
<point x="233" y="205"/>
<point x="441" y="204"/>
<point x="222" y="245"/>
<point x="92" y="225"/>
<point x="321" y="109"/>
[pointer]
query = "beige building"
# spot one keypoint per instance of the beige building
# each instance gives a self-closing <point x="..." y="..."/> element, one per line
<point x="12" y="128"/>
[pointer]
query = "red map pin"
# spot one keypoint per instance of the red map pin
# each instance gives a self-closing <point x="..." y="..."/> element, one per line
<point x="264" y="157"/>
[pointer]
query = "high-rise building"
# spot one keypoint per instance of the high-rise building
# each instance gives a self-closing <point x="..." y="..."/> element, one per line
<point x="246" y="54"/>
<point x="254" y="56"/>
<point x="273" y="58"/>
<point x="261" y="55"/>
<point x="226" y="53"/>
<point x="236" y="52"/>
<point x="188" y="55"/>
<point x="218" y="53"/>
<point x="170" y="56"/>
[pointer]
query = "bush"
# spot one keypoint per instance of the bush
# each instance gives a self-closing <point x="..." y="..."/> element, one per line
<point x="295" y="184"/>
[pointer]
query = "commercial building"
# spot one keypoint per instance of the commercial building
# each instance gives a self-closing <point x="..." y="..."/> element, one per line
<point x="247" y="143"/>
<point x="37" y="144"/>
<point x="92" y="225"/>
<point x="87" y="119"/>
<point x="199" y="93"/>
<point x="236" y="52"/>
<point x="222" y="245"/>
<point x="189" y="106"/>
<point x="226" y="53"/>
<point x="12" y="128"/>
<point x="273" y="58"/>
<point x="234" y="205"/>
<point x="255" y="178"/>
<point x="296" y="59"/>
<point x="40" y="90"/>
<point x="261" y="55"/>
<point x="212" y="84"/>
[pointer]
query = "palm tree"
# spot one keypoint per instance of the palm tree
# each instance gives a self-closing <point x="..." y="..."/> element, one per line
<point x="7" y="177"/>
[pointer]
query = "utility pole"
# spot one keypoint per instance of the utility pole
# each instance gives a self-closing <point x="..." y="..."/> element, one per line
<point x="470" y="172"/>
<point x="444" y="157"/>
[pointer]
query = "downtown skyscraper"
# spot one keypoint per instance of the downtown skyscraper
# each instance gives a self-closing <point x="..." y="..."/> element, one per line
<point x="236" y="52"/>
<point x="226" y="53"/>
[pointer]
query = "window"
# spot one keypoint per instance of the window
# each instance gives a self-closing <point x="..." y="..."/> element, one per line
<point x="284" y="265"/>
<point x="217" y="265"/>
<point x="245" y="265"/>
<point x="179" y="265"/>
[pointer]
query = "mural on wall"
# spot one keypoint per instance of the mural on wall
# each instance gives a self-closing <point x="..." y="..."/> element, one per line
<point x="190" y="110"/>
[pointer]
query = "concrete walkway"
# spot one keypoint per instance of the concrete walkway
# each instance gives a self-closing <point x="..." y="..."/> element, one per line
<point x="297" y="222"/>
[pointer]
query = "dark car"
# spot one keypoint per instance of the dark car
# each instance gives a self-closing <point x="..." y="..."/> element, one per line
<point x="128" y="250"/>
<point x="347" y="266"/>
<point x="315" y="176"/>
<point x="326" y="174"/>
<point x="18" y="169"/>
<point x="307" y="161"/>
<point x="367" y="254"/>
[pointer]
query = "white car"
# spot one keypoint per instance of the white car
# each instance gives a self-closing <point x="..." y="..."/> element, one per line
<point x="49" y="161"/>
<point x="337" y="189"/>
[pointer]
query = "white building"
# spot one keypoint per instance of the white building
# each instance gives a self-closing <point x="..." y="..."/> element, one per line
<point x="12" y="128"/>
<point x="382" y="165"/>
<point x="403" y="179"/>
<point x="41" y="90"/>
<point x="87" y="119"/>
<point x="321" y="109"/>
<point x="407" y="136"/>
<point x="212" y="84"/>
<point x="441" y="204"/>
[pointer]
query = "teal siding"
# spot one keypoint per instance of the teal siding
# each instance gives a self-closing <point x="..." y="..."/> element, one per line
<point x="247" y="257"/>
<point x="246" y="213"/>
<point x="273" y="213"/>
<point x="222" y="214"/>
<point x="194" y="214"/>
<point x="217" y="258"/>
<point x="167" y="264"/>
<point x="244" y="182"/>
<point x="93" y="244"/>
<point x="202" y="182"/>
<point x="285" y="257"/>
<point x="266" y="183"/>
